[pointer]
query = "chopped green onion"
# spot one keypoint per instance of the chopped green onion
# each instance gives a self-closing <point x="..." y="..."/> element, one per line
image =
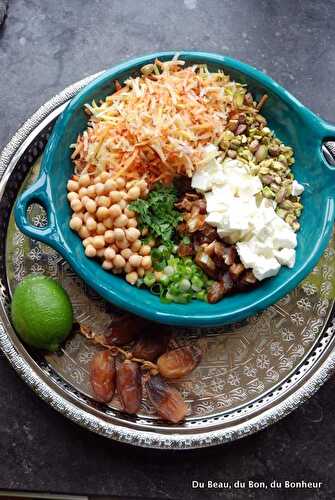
<point x="202" y="295"/>
<point x="149" y="279"/>
<point x="169" y="270"/>
<point x="164" y="279"/>
<point x="184" y="285"/>
<point x="197" y="284"/>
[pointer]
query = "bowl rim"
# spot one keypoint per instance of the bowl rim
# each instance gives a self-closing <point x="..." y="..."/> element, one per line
<point x="320" y="129"/>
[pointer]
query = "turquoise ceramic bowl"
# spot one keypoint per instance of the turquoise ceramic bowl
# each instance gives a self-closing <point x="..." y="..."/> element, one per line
<point x="293" y="123"/>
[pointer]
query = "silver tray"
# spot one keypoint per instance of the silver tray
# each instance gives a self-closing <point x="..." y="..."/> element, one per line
<point x="253" y="373"/>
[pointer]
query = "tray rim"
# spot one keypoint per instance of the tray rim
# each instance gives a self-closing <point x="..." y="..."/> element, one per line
<point x="75" y="410"/>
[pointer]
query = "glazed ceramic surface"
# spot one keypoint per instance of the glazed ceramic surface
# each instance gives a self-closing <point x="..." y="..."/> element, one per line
<point x="292" y="122"/>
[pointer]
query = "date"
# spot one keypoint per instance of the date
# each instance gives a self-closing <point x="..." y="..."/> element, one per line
<point x="179" y="362"/>
<point x="166" y="400"/>
<point x="129" y="386"/>
<point x="124" y="330"/>
<point x="151" y="344"/>
<point x="102" y="376"/>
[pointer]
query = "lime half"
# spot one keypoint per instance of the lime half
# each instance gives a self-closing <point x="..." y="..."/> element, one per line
<point x="41" y="312"/>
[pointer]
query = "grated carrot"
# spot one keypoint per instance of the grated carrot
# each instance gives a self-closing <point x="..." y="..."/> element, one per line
<point x="157" y="126"/>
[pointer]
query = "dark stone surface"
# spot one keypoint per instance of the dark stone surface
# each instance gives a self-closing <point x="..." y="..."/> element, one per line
<point x="47" y="45"/>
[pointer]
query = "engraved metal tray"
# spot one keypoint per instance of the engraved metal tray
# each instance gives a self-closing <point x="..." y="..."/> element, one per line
<point x="252" y="374"/>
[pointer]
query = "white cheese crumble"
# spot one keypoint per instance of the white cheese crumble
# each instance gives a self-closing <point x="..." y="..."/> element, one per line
<point x="264" y="241"/>
<point x="297" y="189"/>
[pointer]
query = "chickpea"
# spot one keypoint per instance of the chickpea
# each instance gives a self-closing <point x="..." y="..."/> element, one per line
<point x="151" y="243"/>
<point x="81" y="215"/>
<point x="72" y="186"/>
<point x="87" y="241"/>
<point x="115" y="211"/>
<point x="146" y="262"/>
<point x="84" y="200"/>
<point x="120" y="182"/>
<point x="104" y="176"/>
<point x="135" y="260"/>
<point x="110" y="185"/>
<point x="91" y="206"/>
<point x="99" y="188"/>
<point x="115" y="196"/>
<point x="119" y="234"/>
<point x="109" y="223"/>
<point x="109" y="253"/>
<point x="123" y="204"/>
<point x="119" y="261"/>
<point x="98" y="242"/>
<point x="130" y="184"/>
<point x="145" y="231"/>
<point x="97" y="179"/>
<point x="83" y="232"/>
<point x="103" y="201"/>
<point x="82" y="192"/>
<point x="132" y="277"/>
<point x="141" y="272"/>
<point x="134" y="193"/>
<point x="120" y="221"/>
<point x="91" y="191"/>
<point x="101" y="228"/>
<point x="102" y="213"/>
<point x="107" y="265"/>
<point x="132" y="222"/>
<point x="84" y="180"/>
<point x="129" y="213"/>
<point x="132" y="234"/>
<point x="128" y="268"/>
<point x="143" y="186"/>
<point x="136" y="246"/>
<point x="77" y="205"/>
<point x="126" y="253"/>
<point x="122" y="244"/>
<point x="100" y="253"/>
<point x="109" y="236"/>
<point x="90" y="251"/>
<point x="72" y="196"/>
<point x="76" y="223"/>
<point x="145" y="250"/>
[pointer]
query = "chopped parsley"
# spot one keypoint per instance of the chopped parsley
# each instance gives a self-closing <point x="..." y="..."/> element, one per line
<point x="157" y="212"/>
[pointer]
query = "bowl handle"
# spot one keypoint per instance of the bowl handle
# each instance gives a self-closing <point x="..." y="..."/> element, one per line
<point x="328" y="143"/>
<point x="37" y="193"/>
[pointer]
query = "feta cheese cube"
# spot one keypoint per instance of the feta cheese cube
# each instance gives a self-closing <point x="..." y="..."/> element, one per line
<point x="201" y="181"/>
<point x="265" y="268"/>
<point x="246" y="253"/>
<point x="216" y="219"/>
<point x="297" y="189"/>
<point x="284" y="239"/>
<point x="265" y="248"/>
<point x="285" y="257"/>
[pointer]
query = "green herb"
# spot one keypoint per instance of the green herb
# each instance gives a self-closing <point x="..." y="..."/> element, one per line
<point x="157" y="212"/>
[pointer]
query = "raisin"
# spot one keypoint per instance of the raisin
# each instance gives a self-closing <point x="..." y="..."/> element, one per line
<point x="166" y="400"/>
<point x="102" y="376"/>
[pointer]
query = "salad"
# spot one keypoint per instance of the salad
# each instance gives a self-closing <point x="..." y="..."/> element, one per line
<point x="179" y="185"/>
